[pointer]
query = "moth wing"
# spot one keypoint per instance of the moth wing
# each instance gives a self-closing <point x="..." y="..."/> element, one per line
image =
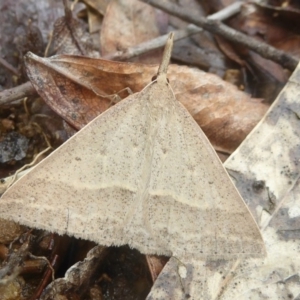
<point x="194" y="208"/>
<point x="86" y="187"/>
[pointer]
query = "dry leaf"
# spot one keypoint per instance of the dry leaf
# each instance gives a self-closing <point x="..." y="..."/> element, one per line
<point x="22" y="22"/>
<point x="95" y="22"/>
<point x="269" y="77"/>
<point x="70" y="36"/>
<point x="156" y="264"/>
<point x="199" y="49"/>
<point x="98" y="5"/>
<point x="266" y="170"/>
<point x="128" y="23"/>
<point x="68" y="85"/>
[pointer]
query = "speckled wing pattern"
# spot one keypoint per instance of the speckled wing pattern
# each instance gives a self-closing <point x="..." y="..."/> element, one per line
<point x="144" y="174"/>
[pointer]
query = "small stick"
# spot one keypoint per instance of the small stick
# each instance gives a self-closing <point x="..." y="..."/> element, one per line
<point x="26" y="89"/>
<point x="226" y="12"/>
<point x="46" y="279"/>
<point x="16" y="93"/>
<point x="152" y="44"/>
<point x="8" y="66"/>
<point x="227" y="32"/>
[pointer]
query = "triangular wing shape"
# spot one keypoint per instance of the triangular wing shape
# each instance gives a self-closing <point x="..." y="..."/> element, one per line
<point x="91" y="178"/>
<point x="144" y="174"/>
<point x="205" y="215"/>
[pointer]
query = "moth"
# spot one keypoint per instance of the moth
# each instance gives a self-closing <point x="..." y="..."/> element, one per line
<point x="144" y="174"/>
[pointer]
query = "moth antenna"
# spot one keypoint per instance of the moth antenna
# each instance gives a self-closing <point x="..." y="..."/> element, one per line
<point x="163" y="67"/>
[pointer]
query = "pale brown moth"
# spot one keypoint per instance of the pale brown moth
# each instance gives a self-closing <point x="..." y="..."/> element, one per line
<point x="144" y="174"/>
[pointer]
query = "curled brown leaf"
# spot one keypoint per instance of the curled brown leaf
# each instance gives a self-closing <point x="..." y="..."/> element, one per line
<point x="80" y="88"/>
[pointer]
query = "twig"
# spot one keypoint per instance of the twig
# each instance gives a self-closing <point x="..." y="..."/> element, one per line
<point x="8" y="66"/>
<point x="152" y="44"/>
<point x="225" y="31"/>
<point x="16" y="93"/>
<point x="69" y="24"/>
<point x="48" y="275"/>
<point x="27" y="89"/>
<point x="191" y="29"/>
<point x="226" y="12"/>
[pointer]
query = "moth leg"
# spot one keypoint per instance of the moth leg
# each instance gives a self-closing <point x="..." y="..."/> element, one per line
<point x="114" y="98"/>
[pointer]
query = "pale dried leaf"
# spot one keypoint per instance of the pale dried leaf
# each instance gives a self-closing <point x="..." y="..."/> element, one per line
<point x="98" y="5"/>
<point x="266" y="171"/>
<point x="128" y="23"/>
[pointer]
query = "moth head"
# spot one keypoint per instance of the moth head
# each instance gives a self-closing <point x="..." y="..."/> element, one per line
<point x="154" y="78"/>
